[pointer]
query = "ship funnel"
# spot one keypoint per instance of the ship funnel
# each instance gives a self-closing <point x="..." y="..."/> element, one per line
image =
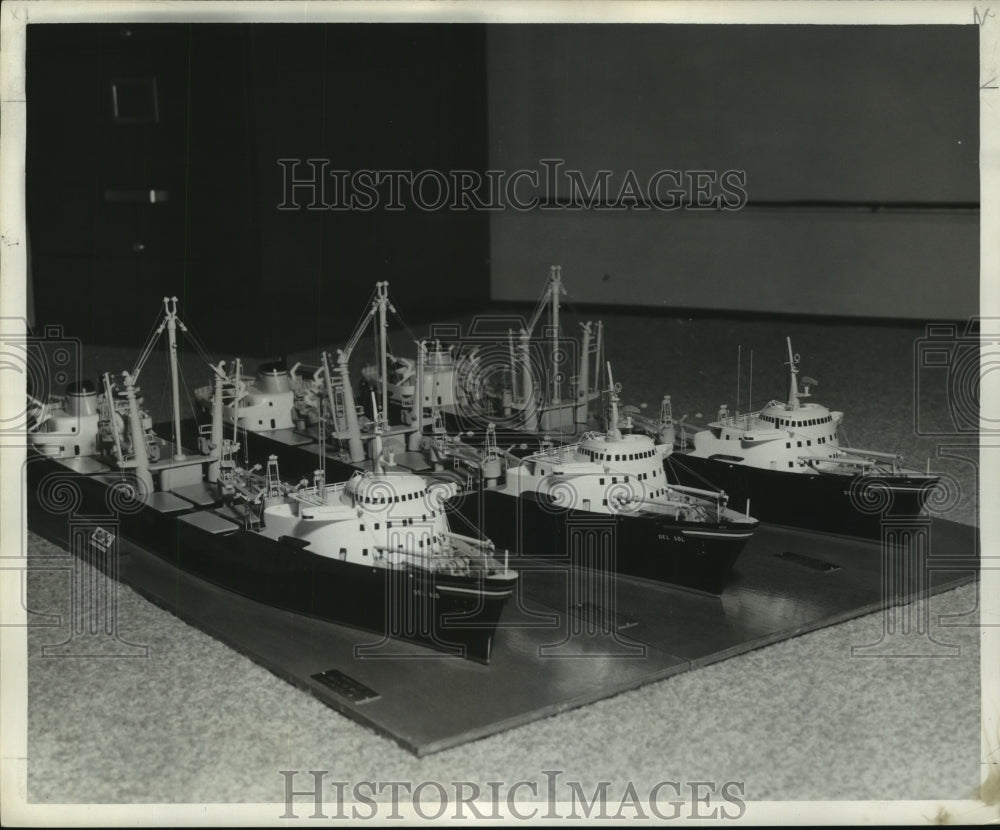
<point x="273" y="378"/>
<point x="81" y="399"/>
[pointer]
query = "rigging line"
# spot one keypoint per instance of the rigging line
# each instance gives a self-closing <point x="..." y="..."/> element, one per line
<point x="164" y="382"/>
<point x="170" y="396"/>
<point x="363" y="317"/>
<point x="454" y="513"/>
<point x="398" y="315"/>
<point x="671" y="461"/>
<point x="409" y="332"/>
<point x="192" y="335"/>
<point x="147" y="347"/>
<point x="187" y="393"/>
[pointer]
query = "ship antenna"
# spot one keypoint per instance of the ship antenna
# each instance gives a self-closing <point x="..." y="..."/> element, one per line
<point x="793" y="365"/>
<point x="322" y="438"/>
<point x="382" y="299"/>
<point x="739" y="355"/>
<point x="377" y="443"/>
<point x="236" y="399"/>
<point x="750" y="395"/>
<point x="554" y="316"/>
<point x="170" y="318"/>
<point x="613" y="433"/>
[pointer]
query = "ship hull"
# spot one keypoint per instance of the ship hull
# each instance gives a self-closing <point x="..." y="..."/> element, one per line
<point x="847" y="505"/>
<point x="453" y="614"/>
<point x="697" y="556"/>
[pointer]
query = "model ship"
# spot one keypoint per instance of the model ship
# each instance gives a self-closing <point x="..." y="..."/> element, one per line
<point x="786" y="463"/>
<point x="516" y="380"/>
<point x="374" y="552"/>
<point x="280" y="406"/>
<point x="611" y="482"/>
<point x="525" y="500"/>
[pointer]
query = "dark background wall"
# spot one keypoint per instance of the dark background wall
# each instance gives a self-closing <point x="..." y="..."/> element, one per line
<point x="231" y="101"/>
<point x="860" y="146"/>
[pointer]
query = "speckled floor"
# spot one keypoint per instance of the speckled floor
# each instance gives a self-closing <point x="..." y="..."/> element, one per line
<point x="804" y="719"/>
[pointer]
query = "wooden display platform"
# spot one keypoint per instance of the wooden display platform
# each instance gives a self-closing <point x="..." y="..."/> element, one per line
<point x="573" y="636"/>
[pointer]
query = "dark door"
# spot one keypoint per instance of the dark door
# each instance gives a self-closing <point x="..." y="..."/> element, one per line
<point x="129" y="196"/>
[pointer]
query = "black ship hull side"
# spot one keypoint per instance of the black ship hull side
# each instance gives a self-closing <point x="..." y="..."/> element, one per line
<point x="453" y="614"/>
<point x="692" y="555"/>
<point x="450" y="614"/>
<point x="848" y="505"/>
<point x="647" y="548"/>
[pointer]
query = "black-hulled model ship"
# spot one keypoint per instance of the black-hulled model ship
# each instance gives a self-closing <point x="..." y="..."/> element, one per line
<point x="375" y="552"/>
<point x="518" y="381"/>
<point x="280" y="407"/>
<point x="785" y="463"/>
<point x="676" y="535"/>
<point x="683" y="536"/>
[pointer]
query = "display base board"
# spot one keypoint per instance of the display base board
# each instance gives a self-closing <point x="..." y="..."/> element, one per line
<point x="573" y="636"/>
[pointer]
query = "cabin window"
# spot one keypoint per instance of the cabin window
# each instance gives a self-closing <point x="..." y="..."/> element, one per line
<point x="343" y="553"/>
<point x="382" y="500"/>
<point x="605" y="502"/>
<point x="364" y="551"/>
<point x="76" y="449"/>
<point x="376" y="525"/>
<point x="790" y="464"/>
<point x="809" y="443"/>
<point x="362" y="528"/>
<point x="601" y="481"/>
<point x="614" y="479"/>
<point x="270" y="403"/>
<point x="799" y="443"/>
